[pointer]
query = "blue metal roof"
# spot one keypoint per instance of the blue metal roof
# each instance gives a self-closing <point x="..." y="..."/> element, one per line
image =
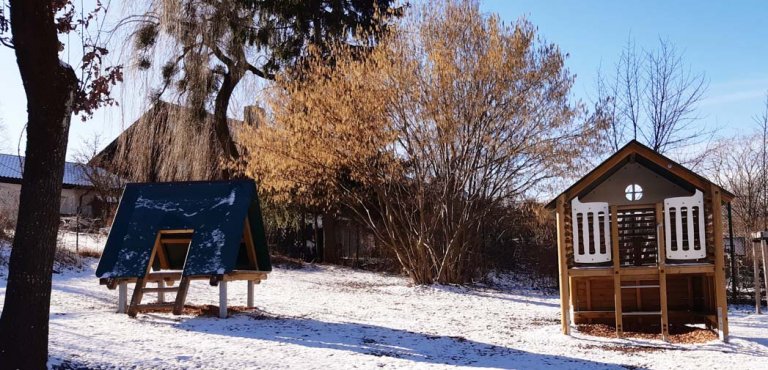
<point x="11" y="168"/>
<point x="216" y="211"/>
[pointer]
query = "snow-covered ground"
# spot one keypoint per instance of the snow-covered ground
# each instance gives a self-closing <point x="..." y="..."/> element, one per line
<point x="331" y="317"/>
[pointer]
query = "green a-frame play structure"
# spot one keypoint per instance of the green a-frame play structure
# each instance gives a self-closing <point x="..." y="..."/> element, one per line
<point x="172" y="232"/>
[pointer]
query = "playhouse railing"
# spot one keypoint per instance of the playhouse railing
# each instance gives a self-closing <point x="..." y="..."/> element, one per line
<point x="638" y="231"/>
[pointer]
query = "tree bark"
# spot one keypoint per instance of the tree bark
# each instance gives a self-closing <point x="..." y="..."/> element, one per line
<point x="221" y="124"/>
<point x="50" y="87"/>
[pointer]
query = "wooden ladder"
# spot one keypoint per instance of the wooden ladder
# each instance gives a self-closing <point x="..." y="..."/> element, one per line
<point x="662" y="278"/>
<point x="176" y="306"/>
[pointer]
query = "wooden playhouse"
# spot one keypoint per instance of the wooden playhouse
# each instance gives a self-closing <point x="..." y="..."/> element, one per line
<point x="640" y="244"/>
<point x="168" y="233"/>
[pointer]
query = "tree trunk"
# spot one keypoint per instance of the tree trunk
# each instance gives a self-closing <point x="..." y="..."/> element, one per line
<point x="220" y="124"/>
<point x="50" y="90"/>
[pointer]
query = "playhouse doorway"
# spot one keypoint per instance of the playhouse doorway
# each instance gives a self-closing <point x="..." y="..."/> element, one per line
<point x="171" y="250"/>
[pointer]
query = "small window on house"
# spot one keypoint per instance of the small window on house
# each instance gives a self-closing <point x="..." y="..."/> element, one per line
<point x="634" y="192"/>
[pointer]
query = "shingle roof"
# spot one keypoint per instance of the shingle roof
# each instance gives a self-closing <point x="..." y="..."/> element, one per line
<point x="11" y="169"/>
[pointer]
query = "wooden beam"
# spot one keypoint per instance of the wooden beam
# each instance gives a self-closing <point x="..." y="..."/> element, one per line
<point x="244" y="275"/>
<point x="179" y="231"/>
<point x="662" y="253"/>
<point x="616" y="270"/>
<point x="756" y="278"/>
<point x="640" y="271"/>
<point x="177" y="240"/>
<point x="704" y="268"/>
<point x="563" y="263"/>
<point x="249" y="246"/>
<point x="138" y="292"/>
<point x="181" y="296"/>
<point x="155" y="307"/>
<point x="763" y="247"/>
<point x="162" y="257"/>
<point x="590" y="271"/>
<point x="679" y="316"/>
<point x="161" y="290"/>
<point x="589" y="315"/>
<point x="571" y="287"/>
<point x="721" y="307"/>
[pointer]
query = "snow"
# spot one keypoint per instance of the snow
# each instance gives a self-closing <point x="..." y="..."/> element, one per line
<point x="165" y="206"/>
<point x="230" y="200"/>
<point x="322" y="317"/>
<point x="216" y="243"/>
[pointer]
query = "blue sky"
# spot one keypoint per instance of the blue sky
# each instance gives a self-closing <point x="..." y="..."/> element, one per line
<point x="728" y="41"/>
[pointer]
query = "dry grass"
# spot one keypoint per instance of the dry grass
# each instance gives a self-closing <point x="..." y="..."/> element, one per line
<point x="287" y="263"/>
<point x="89" y="253"/>
<point x="682" y="334"/>
<point x="65" y="259"/>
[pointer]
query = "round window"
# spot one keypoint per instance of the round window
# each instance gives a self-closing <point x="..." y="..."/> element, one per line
<point x="634" y="192"/>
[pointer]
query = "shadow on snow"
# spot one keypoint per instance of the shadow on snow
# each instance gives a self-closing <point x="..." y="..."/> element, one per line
<point x="385" y="342"/>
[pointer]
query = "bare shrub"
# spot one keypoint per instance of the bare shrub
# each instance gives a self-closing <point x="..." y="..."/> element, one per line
<point x="65" y="259"/>
<point x="521" y="240"/>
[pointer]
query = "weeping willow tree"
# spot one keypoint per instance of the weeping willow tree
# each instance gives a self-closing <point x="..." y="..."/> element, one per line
<point x="451" y="116"/>
<point x="202" y="51"/>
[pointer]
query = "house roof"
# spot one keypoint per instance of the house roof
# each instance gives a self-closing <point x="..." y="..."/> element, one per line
<point x="655" y="161"/>
<point x="148" y="149"/>
<point x="11" y="169"/>
<point x="216" y="211"/>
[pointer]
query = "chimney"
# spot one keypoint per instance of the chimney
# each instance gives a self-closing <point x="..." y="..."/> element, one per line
<point x="253" y="115"/>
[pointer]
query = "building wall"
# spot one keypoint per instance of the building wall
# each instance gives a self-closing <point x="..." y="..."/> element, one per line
<point x="655" y="187"/>
<point x="9" y="200"/>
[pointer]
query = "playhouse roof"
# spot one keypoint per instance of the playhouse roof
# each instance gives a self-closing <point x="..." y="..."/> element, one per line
<point x="655" y="161"/>
<point x="216" y="211"/>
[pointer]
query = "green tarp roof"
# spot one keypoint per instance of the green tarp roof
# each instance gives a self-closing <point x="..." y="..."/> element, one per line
<point x="216" y="212"/>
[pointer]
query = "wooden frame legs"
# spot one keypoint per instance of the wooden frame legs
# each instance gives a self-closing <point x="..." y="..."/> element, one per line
<point x="223" y="299"/>
<point x="122" y="297"/>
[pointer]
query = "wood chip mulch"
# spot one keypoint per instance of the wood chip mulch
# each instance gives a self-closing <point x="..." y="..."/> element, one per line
<point x="208" y="310"/>
<point x="680" y="334"/>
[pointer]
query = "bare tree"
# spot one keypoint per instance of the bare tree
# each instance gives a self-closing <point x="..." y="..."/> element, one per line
<point x="738" y="167"/>
<point x="453" y="116"/>
<point x="653" y="96"/>
<point x="54" y="93"/>
<point x="107" y="186"/>
<point x="762" y="121"/>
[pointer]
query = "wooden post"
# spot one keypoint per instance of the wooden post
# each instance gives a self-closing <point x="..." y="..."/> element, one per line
<point x="223" y="299"/>
<point x="756" y="278"/>
<point x="250" y="293"/>
<point x="122" y="297"/>
<point x="765" y="265"/>
<point x="616" y="270"/>
<point x="721" y="303"/>
<point x="662" y="273"/>
<point x="160" y="293"/>
<point x="563" y="262"/>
